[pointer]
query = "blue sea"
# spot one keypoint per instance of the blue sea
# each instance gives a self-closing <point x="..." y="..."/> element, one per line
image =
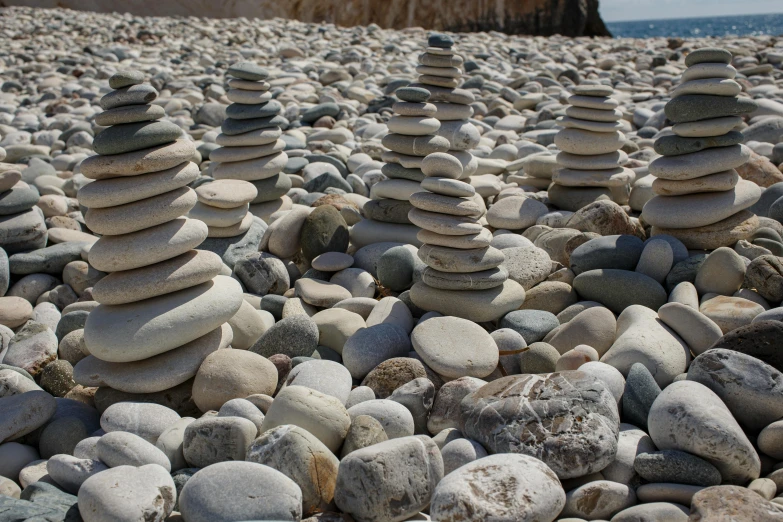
<point x="748" y="25"/>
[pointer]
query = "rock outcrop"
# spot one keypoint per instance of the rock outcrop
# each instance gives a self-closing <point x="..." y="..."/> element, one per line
<point x="537" y="17"/>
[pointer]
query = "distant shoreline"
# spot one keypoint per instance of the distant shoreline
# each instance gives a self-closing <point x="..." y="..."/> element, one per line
<point x="700" y="27"/>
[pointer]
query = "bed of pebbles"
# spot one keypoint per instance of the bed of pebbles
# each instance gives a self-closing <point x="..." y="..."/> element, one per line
<point x="268" y="270"/>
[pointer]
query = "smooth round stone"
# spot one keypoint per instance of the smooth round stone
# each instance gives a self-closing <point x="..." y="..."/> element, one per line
<point x="602" y="103"/>
<point x="294" y="336"/>
<point x="189" y="269"/>
<point x="8" y="179"/>
<point x="593" y="90"/>
<point x="750" y="503"/>
<point x="231" y="154"/>
<point x="578" y="141"/>
<point x="412" y="94"/>
<point x="599" y="499"/>
<point x="218" y="217"/>
<point x="723" y="272"/>
<point x="621" y="252"/>
<point x="148" y="246"/>
<point x="482" y="280"/>
<point x="413" y="125"/>
<point x="248" y="71"/>
<point x="253" y="169"/>
<point x="696" y="329"/>
<point x="138" y="94"/>
<point x="14" y="311"/>
<point x="445" y="204"/>
<point x="121" y="448"/>
<point x="369" y="347"/>
<point x="595" y="162"/>
<point x="461" y="135"/>
<point x="618" y="289"/>
<point x="232" y="374"/>
<point x="440" y="81"/>
<point x="130" y="114"/>
<point x="592" y="126"/>
<point x="251" y="492"/>
<point x="238" y="111"/>
<point x="718" y="182"/>
<point x="146" y="420"/>
<point x="723" y="233"/>
<point x="688" y="416"/>
<point x="710" y="86"/>
<point x="466" y="242"/>
<point x="743" y="383"/>
<point x="332" y="261"/>
<point x="515" y="213"/>
<point x="249" y="97"/>
<point x="414" y="109"/>
<point x="674" y="145"/>
<point x="769" y="440"/>
<point x="448" y="187"/>
<point x="271" y="189"/>
<point x="120" y="191"/>
<point x="138" y="162"/>
<point x="320" y="293"/>
<point x="512" y="408"/>
<point x="157" y="373"/>
<point x="143" y="214"/>
<point x="255" y="137"/>
<point x="616" y="177"/>
<point x="707" y="128"/>
<point x="445" y="224"/>
<point x="130" y="137"/>
<point x="226" y="193"/>
<point x="455" y="347"/>
<point x="676" y="467"/>
<point x="442" y="165"/>
<point x="730" y="313"/>
<point x="708" y="70"/>
<point x="126" y="78"/>
<point x="478" y="305"/>
<point x="232" y="127"/>
<point x="581" y="113"/>
<point x="694" y="107"/>
<point x="135" y="331"/>
<point x="453" y="260"/>
<point x="18" y="199"/>
<point x="708" y="55"/>
<point x="416" y="145"/>
<point x="700" y="210"/>
<point x="127" y="492"/>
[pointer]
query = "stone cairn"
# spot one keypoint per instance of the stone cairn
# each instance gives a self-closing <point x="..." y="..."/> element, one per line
<point x="700" y="199"/>
<point x="440" y="73"/>
<point x="251" y="148"/>
<point x="455" y="245"/>
<point x="412" y="137"/>
<point x="590" y="160"/>
<point x="19" y="215"/>
<point x="163" y="307"/>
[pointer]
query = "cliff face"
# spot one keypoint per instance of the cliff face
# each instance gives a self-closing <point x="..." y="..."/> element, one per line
<point x="537" y="17"/>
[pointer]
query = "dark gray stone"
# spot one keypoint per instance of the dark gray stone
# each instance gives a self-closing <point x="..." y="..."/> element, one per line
<point x="369" y="347"/>
<point x="413" y="94"/>
<point x="685" y="270"/>
<point x="248" y="71"/>
<point x="262" y="274"/>
<point x="49" y="260"/>
<point x="395" y="268"/>
<point x="119" y="139"/>
<point x="232" y="249"/>
<point x="388" y="211"/>
<point x="676" y="467"/>
<point x="695" y="107"/>
<point x="619" y="289"/>
<point x="70" y="322"/>
<point x="532" y="325"/>
<point x="317" y="112"/>
<point x="18" y="199"/>
<point x="274" y="305"/>
<point x="125" y="78"/>
<point x="238" y="111"/>
<point x="619" y="252"/>
<point x="131" y="95"/>
<point x="327" y="180"/>
<point x="673" y="145"/>
<point x="231" y="126"/>
<point x="293" y="336"/>
<point x="639" y="394"/>
<point x="324" y="230"/>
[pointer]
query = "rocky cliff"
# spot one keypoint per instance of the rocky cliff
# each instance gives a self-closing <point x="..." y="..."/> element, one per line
<point x="538" y="17"/>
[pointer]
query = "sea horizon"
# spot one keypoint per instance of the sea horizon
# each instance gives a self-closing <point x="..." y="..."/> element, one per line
<point x="699" y="26"/>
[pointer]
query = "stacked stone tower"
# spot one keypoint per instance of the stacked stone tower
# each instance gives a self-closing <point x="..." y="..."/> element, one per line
<point x="163" y="306"/>
<point x="700" y="199"/>
<point x="412" y="137"/>
<point x="250" y="146"/>
<point x="590" y="161"/>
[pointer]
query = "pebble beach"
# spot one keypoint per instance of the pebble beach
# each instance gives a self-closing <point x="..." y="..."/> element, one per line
<point x="266" y="270"/>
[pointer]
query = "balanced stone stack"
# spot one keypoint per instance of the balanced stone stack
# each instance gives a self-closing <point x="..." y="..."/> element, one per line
<point x="464" y="276"/>
<point x="21" y="221"/>
<point x="440" y="72"/>
<point x="163" y="306"/>
<point x="223" y="206"/>
<point x="590" y="160"/>
<point x="700" y="199"/>
<point x="412" y="137"/>
<point x="251" y="148"/>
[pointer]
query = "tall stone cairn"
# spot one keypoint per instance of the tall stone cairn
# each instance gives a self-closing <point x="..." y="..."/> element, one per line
<point x="251" y="148"/>
<point x="163" y="307"/>
<point x="700" y="199"/>
<point x="464" y="272"/>
<point x="590" y="160"/>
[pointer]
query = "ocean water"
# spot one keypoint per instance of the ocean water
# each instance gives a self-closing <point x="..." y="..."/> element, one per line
<point x="748" y="25"/>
